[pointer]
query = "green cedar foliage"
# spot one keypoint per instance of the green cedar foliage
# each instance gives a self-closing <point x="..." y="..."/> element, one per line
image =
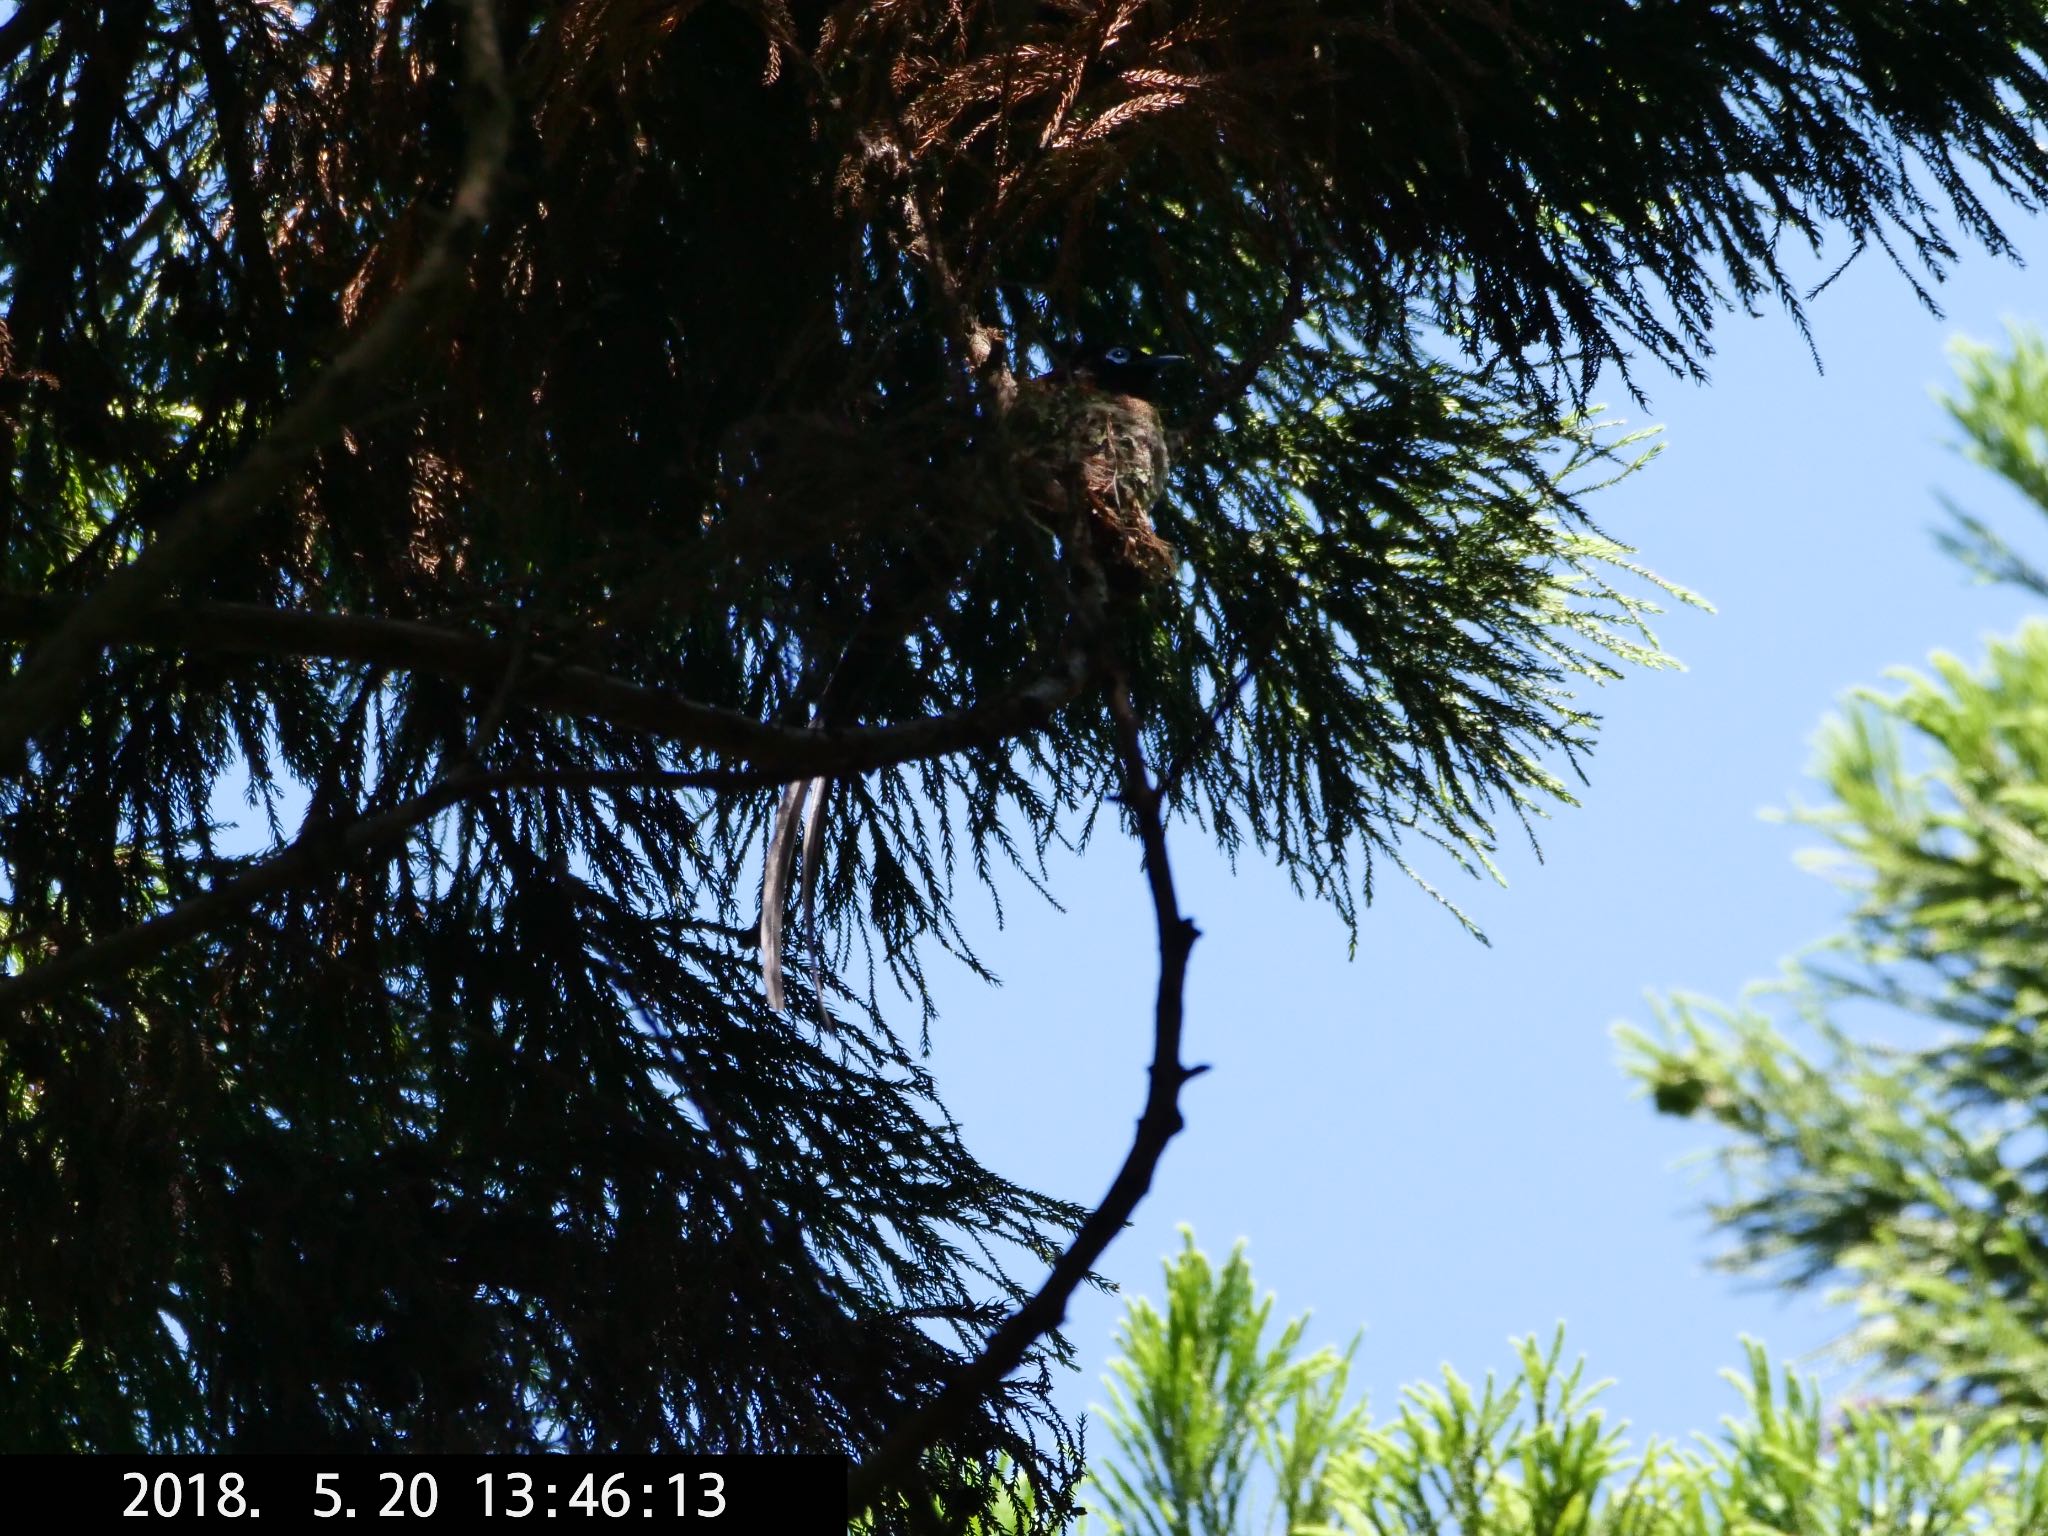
<point x="480" y="478"/>
<point x="1914" y="1177"/>
<point x="1222" y="1428"/>
<point x="1203" y="1402"/>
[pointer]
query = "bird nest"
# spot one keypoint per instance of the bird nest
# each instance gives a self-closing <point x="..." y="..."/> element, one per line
<point x="1092" y="465"/>
<point x="1085" y="465"/>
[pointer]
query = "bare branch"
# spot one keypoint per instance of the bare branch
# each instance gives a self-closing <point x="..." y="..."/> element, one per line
<point x="1158" y="1125"/>
<point x="46" y="678"/>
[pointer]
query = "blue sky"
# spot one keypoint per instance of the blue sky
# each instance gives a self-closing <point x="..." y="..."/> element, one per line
<point x="1433" y="1139"/>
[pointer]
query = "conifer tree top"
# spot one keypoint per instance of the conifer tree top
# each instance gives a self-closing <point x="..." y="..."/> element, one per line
<point x="504" y="443"/>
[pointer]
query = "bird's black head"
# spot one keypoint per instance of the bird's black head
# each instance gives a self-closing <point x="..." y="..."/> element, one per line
<point x="1123" y="370"/>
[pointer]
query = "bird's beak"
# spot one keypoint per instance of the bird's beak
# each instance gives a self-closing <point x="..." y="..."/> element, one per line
<point x="1167" y="357"/>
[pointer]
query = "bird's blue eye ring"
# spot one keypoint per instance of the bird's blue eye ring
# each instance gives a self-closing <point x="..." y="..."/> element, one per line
<point x="1118" y="355"/>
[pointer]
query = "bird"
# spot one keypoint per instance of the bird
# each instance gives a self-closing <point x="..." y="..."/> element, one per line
<point x="1121" y="370"/>
<point x="1086" y="451"/>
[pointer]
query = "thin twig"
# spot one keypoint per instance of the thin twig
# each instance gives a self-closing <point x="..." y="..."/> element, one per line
<point x="1161" y="1120"/>
<point x="45" y="683"/>
<point x="180" y="196"/>
<point x="1245" y="372"/>
<point x="231" y="118"/>
<point x="1206" y="737"/>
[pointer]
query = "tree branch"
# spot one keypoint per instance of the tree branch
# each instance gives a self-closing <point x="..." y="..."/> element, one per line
<point x="28" y="25"/>
<point x="230" y="113"/>
<point x="320" y="847"/>
<point x="176" y="191"/>
<point x="45" y="680"/>
<point x="571" y="691"/>
<point x="1245" y="372"/>
<point x="1157" y="1125"/>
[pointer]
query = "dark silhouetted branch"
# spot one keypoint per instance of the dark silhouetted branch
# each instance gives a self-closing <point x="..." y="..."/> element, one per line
<point x="180" y="196"/>
<point x="575" y="692"/>
<point x="231" y="113"/>
<point x="319" y="849"/>
<point x="1157" y="1125"/>
<point x="29" y="24"/>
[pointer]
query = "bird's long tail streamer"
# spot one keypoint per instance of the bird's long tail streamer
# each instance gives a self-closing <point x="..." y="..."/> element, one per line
<point x="802" y="807"/>
<point x="775" y="886"/>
